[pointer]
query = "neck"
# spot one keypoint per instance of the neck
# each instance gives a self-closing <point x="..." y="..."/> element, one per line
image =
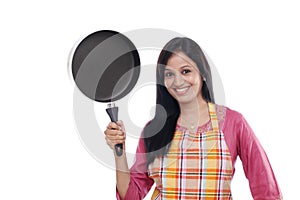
<point x="192" y="109"/>
<point x="194" y="113"/>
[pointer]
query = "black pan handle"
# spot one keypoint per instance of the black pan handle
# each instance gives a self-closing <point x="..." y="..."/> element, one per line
<point x="112" y="111"/>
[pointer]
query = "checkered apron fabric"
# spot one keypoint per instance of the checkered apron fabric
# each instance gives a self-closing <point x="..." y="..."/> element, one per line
<point x="197" y="166"/>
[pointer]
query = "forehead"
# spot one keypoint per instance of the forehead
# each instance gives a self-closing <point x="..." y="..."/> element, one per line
<point x="179" y="60"/>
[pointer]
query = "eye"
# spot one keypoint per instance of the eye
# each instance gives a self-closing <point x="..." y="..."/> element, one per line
<point x="169" y="74"/>
<point x="186" y="71"/>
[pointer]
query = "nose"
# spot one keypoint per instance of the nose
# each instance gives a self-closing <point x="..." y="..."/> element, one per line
<point x="178" y="80"/>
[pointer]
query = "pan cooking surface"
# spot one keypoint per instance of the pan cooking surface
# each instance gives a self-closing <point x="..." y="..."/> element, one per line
<point x="105" y="66"/>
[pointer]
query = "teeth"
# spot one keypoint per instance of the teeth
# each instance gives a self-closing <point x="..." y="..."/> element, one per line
<point x="181" y="89"/>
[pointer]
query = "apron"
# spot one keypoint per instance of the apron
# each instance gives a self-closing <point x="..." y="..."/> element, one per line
<point x="197" y="166"/>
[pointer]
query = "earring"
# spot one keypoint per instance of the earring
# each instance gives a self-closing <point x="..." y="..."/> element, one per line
<point x="204" y="79"/>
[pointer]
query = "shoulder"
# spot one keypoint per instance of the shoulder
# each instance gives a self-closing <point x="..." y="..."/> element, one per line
<point x="235" y="123"/>
<point x="228" y="114"/>
<point x="233" y="114"/>
<point x="232" y="120"/>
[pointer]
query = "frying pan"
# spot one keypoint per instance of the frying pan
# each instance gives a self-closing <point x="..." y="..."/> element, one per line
<point x="105" y="67"/>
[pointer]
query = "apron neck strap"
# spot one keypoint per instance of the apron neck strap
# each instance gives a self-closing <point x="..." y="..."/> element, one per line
<point x="213" y="117"/>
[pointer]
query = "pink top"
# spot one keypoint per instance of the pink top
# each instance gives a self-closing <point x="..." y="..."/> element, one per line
<point x="241" y="142"/>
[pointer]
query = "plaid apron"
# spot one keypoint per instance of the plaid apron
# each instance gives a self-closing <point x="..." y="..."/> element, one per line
<point x="197" y="166"/>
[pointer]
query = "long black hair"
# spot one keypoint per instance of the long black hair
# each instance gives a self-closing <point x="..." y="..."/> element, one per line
<point x="159" y="132"/>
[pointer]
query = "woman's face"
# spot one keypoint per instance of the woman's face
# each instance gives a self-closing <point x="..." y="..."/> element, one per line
<point x="182" y="78"/>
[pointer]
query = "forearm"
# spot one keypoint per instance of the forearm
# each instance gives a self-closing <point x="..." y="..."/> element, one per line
<point x="135" y="183"/>
<point x="122" y="174"/>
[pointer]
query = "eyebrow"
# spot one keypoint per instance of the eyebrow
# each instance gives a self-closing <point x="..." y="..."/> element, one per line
<point x="184" y="66"/>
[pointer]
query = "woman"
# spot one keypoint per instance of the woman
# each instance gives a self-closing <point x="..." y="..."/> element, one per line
<point x="190" y="146"/>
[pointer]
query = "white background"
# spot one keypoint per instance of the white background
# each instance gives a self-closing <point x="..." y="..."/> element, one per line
<point x="254" y="45"/>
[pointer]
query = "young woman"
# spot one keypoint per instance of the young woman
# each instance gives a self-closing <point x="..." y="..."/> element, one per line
<point x="190" y="146"/>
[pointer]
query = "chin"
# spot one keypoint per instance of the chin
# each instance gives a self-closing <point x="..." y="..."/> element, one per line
<point x="185" y="100"/>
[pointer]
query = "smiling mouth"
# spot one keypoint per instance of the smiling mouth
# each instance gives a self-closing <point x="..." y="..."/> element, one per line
<point x="181" y="91"/>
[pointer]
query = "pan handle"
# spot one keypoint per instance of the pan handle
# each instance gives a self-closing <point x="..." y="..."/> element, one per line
<point x="112" y="112"/>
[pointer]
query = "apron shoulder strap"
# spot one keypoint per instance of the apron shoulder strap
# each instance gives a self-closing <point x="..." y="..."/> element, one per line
<point x="213" y="117"/>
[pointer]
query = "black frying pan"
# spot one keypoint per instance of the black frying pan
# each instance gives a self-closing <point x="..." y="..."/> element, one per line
<point x="105" y="68"/>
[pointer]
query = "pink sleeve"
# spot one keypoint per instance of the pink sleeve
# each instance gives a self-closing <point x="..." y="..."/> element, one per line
<point x="257" y="168"/>
<point x="140" y="183"/>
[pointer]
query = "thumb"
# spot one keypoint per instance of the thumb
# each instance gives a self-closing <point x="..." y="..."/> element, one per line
<point x="121" y="124"/>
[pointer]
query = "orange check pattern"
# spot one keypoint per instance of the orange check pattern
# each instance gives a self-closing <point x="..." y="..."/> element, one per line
<point x="197" y="166"/>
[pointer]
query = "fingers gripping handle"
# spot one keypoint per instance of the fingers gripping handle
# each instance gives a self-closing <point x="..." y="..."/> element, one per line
<point x="112" y="111"/>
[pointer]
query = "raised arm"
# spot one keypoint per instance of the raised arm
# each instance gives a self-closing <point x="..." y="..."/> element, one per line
<point x="140" y="183"/>
<point x="133" y="183"/>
